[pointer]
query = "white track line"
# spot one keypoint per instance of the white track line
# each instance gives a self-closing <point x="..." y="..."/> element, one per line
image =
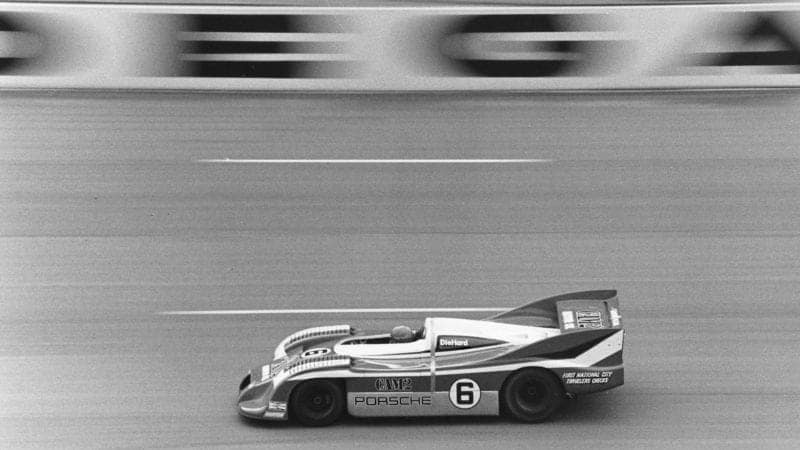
<point x="373" y="161"/>
<point x="222" y="312"/>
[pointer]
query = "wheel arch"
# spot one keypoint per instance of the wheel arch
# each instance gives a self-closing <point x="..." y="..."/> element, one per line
<point x="548" y="372"/>
<point x="340" y="382"/>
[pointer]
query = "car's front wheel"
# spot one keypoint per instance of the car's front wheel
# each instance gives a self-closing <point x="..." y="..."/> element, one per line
<point x="317" y="403"/>
<point x="532" y="395"/>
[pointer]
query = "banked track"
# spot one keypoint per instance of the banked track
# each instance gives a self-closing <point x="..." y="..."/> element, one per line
<point x="687" y="204"/>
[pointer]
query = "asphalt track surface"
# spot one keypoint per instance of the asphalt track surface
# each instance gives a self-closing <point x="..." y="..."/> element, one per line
<point x="688" y="204"/>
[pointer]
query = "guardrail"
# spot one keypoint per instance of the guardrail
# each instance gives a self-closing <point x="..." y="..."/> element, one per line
<point x="113" y="46"/>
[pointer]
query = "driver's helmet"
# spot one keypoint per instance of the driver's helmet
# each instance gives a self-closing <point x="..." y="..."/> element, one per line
<point x="402" y="333"/>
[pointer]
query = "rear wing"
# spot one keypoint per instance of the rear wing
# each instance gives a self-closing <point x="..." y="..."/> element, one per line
<point x="571" y="312"/>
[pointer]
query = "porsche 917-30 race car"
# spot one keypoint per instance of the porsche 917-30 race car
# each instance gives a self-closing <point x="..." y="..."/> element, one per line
<point x="521" y="363"/>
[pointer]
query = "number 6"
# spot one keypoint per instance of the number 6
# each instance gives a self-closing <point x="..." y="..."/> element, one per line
<point x="465" y="393"/>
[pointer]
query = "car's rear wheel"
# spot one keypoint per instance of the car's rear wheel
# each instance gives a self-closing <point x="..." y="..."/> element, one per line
<point x="317" y="403"/>
<point x="532" y="395"/>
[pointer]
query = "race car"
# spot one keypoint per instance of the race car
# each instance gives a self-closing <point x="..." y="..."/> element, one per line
<point x="522" y="363"/>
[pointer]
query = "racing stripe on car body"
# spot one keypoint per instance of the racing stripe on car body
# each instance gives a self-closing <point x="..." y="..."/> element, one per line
<point x="602" y="350"/>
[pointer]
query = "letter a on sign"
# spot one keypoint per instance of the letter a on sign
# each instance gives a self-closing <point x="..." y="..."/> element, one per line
<point x="765" y="42"/>
<point x="17" y="45"/>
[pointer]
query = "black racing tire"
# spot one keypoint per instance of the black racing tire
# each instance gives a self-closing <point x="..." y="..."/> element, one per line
<point x="317" y="403"/>
<point x="531" y="395"/>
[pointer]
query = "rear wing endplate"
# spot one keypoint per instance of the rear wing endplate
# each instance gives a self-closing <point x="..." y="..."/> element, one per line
<point x="575" y="311"/>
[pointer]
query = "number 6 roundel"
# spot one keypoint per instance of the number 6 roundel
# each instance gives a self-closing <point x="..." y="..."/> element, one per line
<point x="464" y="393"/>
